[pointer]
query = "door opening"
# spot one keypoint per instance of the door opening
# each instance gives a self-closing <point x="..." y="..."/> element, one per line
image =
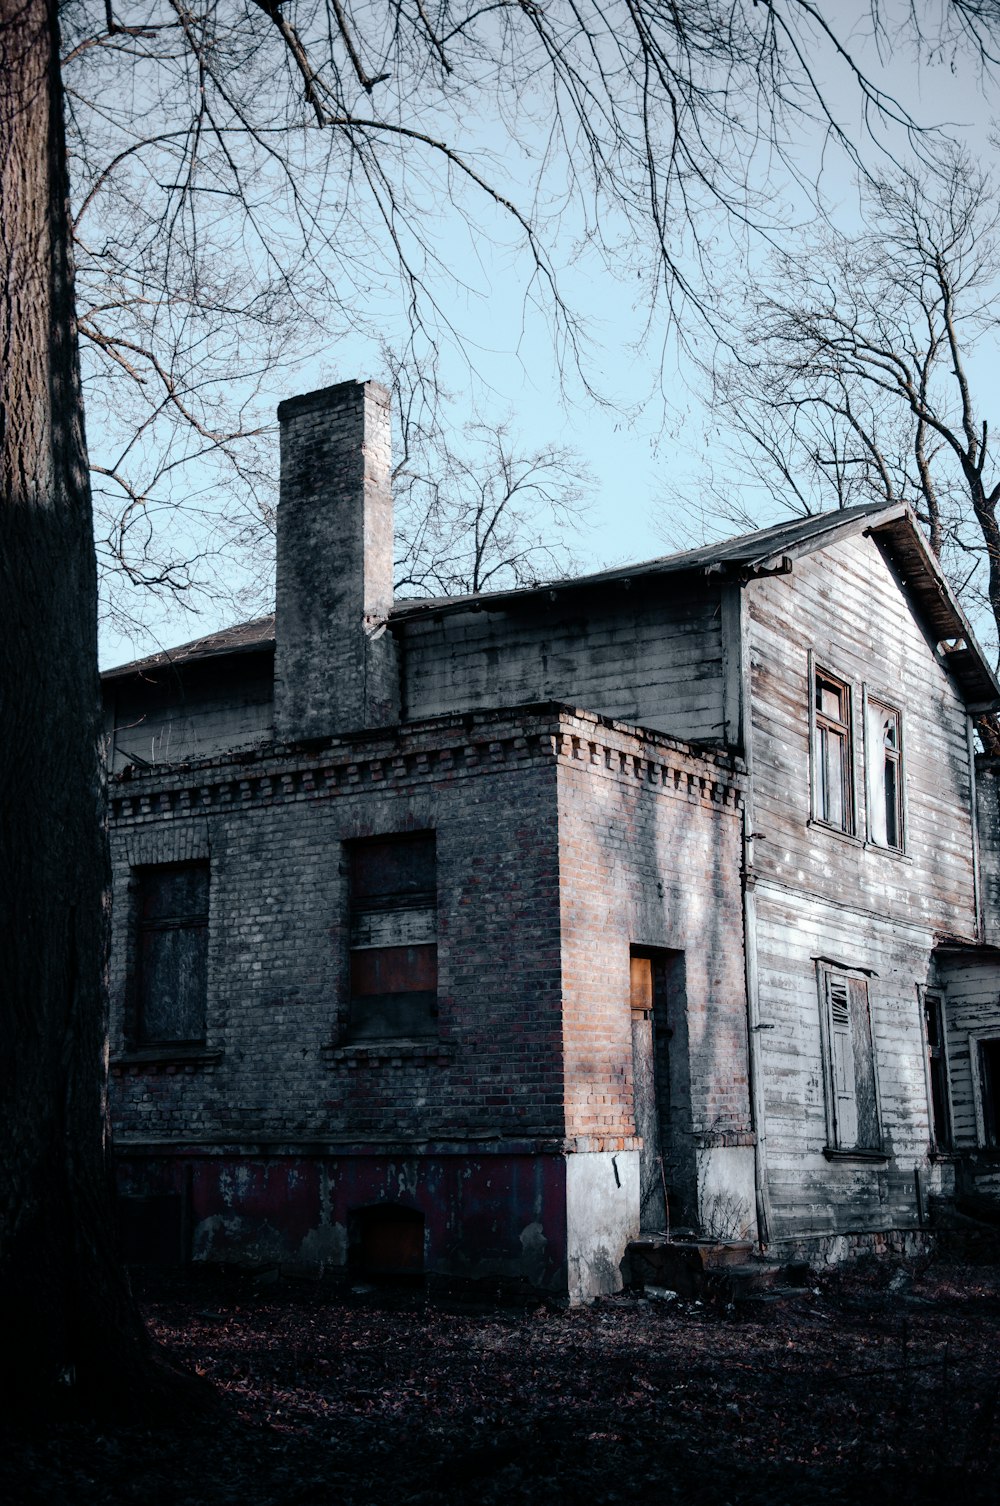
<point x="656" y="980"/>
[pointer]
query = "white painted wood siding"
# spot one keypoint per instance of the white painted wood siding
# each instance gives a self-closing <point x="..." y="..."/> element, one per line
<point x="811" y="1194"/>
<point x="846" y="606"/>
<point x="972" y="1010"/>
<point x="822" y="894"/>
<point x="988" y="807"/>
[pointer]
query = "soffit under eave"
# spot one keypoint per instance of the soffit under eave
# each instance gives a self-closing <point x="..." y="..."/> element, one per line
<point x="831" y="529"/>
<point x="903" y="545"/>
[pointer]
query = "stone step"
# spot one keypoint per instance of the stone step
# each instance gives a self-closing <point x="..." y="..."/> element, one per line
<point x="699" y="1269"/>
<point x="735" y="1283"/>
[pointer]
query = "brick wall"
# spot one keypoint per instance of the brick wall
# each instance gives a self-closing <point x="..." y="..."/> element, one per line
<point x="640" y="846"/>
<point x="561" y="840"/>
<point x="335" y="662"/>
<point x="277" y="1064"/>
<point x="650" y="849"/>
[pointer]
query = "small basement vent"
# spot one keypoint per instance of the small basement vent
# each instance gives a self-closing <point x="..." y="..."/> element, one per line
<point x="387" y="1242"/>
<point x="153" y="1229"/>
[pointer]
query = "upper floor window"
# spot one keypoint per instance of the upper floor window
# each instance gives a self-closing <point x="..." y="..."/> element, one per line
<point x="884" y="763"/>
<point x="171" y="954"/>
<point x="393" y="937"/>
<point x="833" y="771"/>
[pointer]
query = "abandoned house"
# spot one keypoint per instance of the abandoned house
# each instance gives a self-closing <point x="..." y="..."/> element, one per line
<point x="476" y="936"/>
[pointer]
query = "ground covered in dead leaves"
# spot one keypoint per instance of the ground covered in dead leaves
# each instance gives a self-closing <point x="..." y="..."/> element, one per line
<point x="875" y="1384"/>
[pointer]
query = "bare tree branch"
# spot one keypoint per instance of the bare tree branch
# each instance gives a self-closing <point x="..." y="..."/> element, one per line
<point x="861" y="371"/>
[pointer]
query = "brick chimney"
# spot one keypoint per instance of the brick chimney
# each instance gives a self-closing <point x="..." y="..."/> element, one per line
<point x="335" y="664"/>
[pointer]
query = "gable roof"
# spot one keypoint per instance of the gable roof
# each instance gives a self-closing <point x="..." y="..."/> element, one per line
<point x="904" y="547"/>
<point x="762" y="552"/>
<point x="765" y="551"/>
<point x="245" y="637"/>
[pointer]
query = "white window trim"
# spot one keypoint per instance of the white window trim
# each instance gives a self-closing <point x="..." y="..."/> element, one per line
<point x="922" y="990"/>
<point x="867" y="694"/>
<point x="865" y="1152"/>
<point x="987" y="1033"/>
<point x="815" y="667"/>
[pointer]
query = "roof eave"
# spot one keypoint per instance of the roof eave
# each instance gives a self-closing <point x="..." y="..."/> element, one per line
<point x="781" y="561"/>
<point x="902" y="542"/>
<point x="143" y="668"/>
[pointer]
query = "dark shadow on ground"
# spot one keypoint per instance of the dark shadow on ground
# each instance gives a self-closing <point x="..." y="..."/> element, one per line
<point x="878" y="1384"/>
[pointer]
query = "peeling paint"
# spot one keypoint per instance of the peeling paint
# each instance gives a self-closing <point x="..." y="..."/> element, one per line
<point x="325" y="1248"/>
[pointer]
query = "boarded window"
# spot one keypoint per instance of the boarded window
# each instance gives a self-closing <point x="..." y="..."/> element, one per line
<point x="394" y="938"/>
<point x="833" y="781"/>
<point x="851" y="1065"/>
<point x="172" y="960"/>
<point x="884" y="754"/>
<point x="937" y="1071"/>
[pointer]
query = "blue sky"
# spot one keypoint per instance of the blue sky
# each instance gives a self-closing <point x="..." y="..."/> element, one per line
<point x="646" y="441"/>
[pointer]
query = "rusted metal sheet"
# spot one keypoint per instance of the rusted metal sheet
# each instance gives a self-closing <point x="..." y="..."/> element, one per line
<point x="393" y="970"/>
<point x="498" y="1216"/>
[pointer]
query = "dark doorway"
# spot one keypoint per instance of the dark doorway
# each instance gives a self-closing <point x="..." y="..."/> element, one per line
<point x="656" y="980"/>
<point x="989" y="1078"/>
<point x="387" y="1243"/>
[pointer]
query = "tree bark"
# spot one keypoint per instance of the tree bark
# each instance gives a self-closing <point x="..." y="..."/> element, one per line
<point x="67" y="1319"/>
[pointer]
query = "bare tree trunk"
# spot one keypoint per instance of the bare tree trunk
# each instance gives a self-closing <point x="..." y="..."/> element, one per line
<point x="66" y="1313"/>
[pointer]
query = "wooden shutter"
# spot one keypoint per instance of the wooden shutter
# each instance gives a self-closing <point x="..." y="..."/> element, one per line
<point x="868" y="1133"/>
<point x="845" y="1109"/>
<point x="172" y="954"/>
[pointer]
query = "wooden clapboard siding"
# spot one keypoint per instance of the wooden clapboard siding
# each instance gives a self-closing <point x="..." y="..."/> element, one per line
<point x="988" y="808"/>
<point x="972" y="1005"/>
<point x="808" y="1192"/>
<point x="845" y="605"/>
<point x="820" y="894"/>
<point x="171" y="715"/>
<point x="652" y="657"/>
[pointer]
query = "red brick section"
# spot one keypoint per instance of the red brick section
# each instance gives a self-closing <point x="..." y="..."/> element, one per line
<point x="554" y="830"/>
<point x="650" y="851"/>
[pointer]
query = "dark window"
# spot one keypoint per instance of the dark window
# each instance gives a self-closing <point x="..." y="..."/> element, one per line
<point x="393" y="938"/>
<point x="937" y="1071"/>
<point x="851" y="1065"/>
<point x="833" y="783"/>
<point x="386" y="1241"/>
<point x="172" y="960"/>
<point x="989" y="1079"/>
<point x="885" y="775"/>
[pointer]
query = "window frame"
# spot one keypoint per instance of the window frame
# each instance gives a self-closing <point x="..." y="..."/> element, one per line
<point x="820" y="722"/>
<point x="190" y="922"/>
<point x="873" y="698"/>
<point x="938" y="1145"/>
<point x="385" y="912"/>
<point x="832" y="1037"/>
<point x="977" y="1039"/>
